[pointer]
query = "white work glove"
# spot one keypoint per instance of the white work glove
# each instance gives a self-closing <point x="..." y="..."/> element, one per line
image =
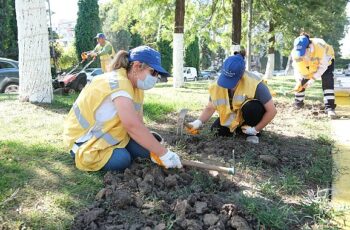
<point x="196" y="124"/>
<point x="169" y="160"/>
<point x="249" y="130"/>
<point x="309" y="83"/>
<point x="93" y="54"/>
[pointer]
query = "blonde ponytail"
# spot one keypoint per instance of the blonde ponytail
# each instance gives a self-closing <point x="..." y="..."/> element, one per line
<point x="120" y="60"/>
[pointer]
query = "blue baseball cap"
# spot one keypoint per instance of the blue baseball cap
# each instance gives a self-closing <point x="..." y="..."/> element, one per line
<point x="100" y="35"/>
<point x="149" y="56"/>
<point x="300" y="45"/>
<point x="232" y="71"/>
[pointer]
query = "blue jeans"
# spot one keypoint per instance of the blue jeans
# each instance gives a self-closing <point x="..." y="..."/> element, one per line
<point x="122" y="158"/>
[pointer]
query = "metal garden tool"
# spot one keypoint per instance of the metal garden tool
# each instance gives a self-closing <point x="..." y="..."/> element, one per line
<point x="181" y="123"/>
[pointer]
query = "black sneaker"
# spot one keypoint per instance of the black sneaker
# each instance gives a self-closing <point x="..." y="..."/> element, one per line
<point x="298" y="104"/>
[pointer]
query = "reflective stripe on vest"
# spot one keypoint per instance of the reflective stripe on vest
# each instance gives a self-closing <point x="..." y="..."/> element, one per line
<point x="238" y="98"/>
<point x="220" y="102"/>
<point x="230" y="120"/>
<point x="113" y="83"/>
<point x="106" y="136"/>
<point x="81" y="119"/>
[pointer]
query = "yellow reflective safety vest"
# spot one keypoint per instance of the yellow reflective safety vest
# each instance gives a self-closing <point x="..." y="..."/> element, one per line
<point x="95" y="153"/>
<point x="109" y="51"/>
<point x="244" y="92"/>
<point x="308" y="64"/>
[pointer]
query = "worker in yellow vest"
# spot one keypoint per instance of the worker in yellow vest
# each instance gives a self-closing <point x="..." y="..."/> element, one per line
<point x="243" y="102"/>
<point x="105" y="129"/>
<point x="313" y="59"/>
<point x="104" y="50"/>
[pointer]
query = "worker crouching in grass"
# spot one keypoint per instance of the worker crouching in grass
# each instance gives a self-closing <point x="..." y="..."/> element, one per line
<point x="105" y="129"/>
<point x="243" y="102"/>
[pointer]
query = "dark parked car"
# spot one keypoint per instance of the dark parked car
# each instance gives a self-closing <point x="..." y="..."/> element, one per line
<point x="9" y="76"/>
<point x="208" y="74"/>
<point x="204" y="75"/>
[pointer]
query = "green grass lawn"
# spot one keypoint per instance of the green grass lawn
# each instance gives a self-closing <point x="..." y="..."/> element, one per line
<point x="41" y="189"/>
<point x="39" y="186"/>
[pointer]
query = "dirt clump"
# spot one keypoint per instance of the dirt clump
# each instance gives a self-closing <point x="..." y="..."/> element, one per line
<point x="268" y="159"/>
<point x="149" y="197"/>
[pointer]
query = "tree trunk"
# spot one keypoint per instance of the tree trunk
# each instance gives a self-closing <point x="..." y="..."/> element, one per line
<point x="271" y="52"/>
<point x="249" y="40"/>
<point x="236" y="25"/>
<point x="34" y="55"/>
<point x="289" y="69"/>
<point x="178" y="51"/>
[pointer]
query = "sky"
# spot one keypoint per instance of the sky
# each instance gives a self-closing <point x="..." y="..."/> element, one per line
<point x="63" y="10"/>
<point x="67" y="10"/>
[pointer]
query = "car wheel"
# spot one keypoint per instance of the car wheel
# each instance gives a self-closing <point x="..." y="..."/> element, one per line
<point x="80" y="86"/>
<point x="11" y="88"/>
<point x="185" y="79"/>
<point x="71" y="91"/>
<point x="195" y="79"/>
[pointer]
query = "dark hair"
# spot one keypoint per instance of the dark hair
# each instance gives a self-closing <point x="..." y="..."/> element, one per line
<point x="242" y="53"/>
<point x="305" y="34"/>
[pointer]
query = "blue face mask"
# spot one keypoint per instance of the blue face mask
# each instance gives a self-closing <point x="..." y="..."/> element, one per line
<point x="148" y="83"/>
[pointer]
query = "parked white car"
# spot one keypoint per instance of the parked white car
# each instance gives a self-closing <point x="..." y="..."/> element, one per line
<point x="190" y="74"/>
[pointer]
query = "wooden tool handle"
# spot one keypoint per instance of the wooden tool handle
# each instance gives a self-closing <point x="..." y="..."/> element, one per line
<point x="202" y="165"/>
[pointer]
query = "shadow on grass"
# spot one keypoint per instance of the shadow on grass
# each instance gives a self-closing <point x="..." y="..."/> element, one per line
<point x="163" y="85"/>
<point x="51" y="189"/>
<point x="61" y="104"/>
<point x="8" y="97"/>
<point x="276" y="214"/>
<point x="302" y="163"/>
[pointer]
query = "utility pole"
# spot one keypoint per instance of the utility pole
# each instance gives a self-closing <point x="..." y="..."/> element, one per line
<point x="249" y="40"/>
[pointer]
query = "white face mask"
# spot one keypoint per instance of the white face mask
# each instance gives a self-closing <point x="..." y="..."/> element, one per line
<point x="148" y="83"/>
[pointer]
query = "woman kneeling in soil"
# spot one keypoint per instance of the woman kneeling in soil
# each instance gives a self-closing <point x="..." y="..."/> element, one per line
<point x="242" y="100"/>
<point x="105" y="129"/>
